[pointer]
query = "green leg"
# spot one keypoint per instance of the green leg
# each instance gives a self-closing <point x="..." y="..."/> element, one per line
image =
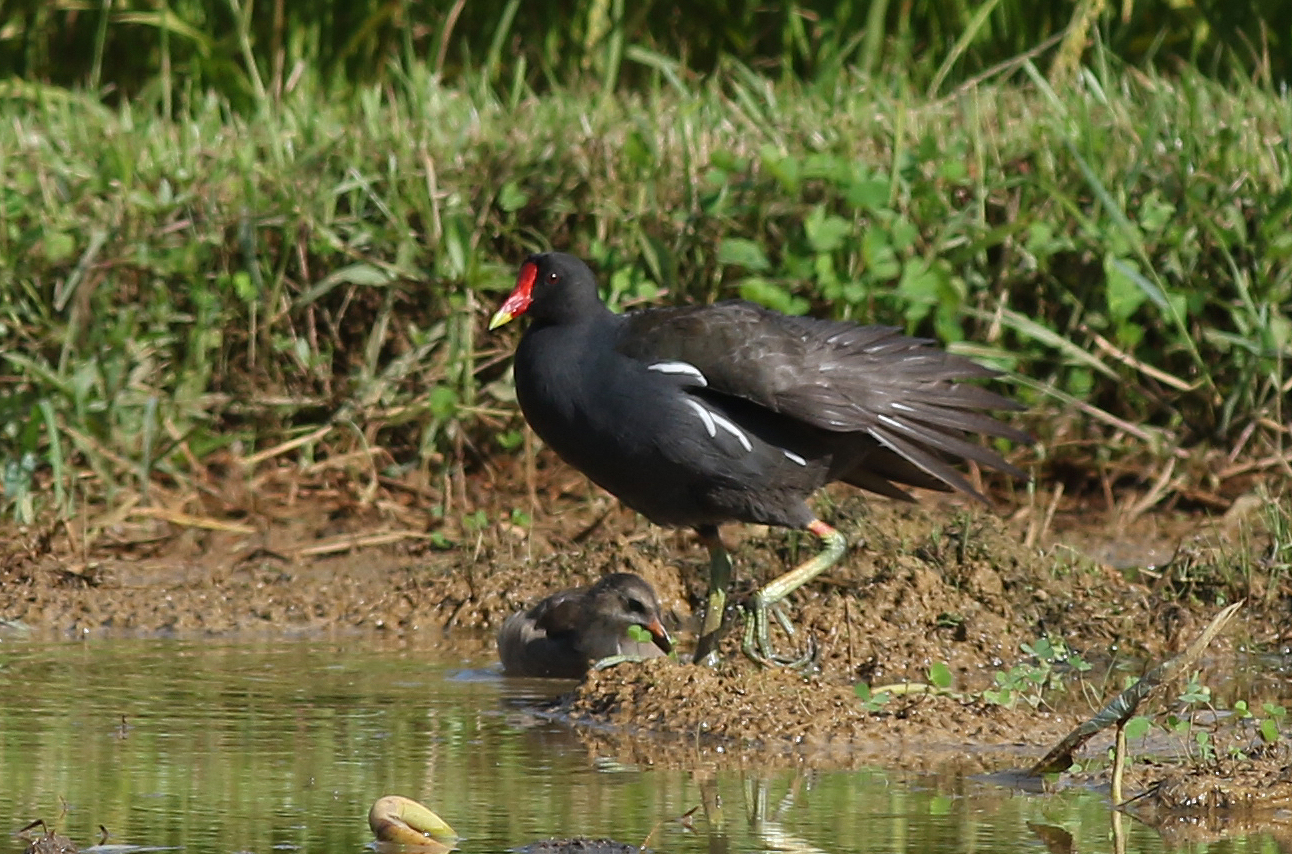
<point x="706" y="650"/>
<point x="757" y="644"/>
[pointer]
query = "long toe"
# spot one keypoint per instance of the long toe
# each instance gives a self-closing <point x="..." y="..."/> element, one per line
<point x="757" y="644"/>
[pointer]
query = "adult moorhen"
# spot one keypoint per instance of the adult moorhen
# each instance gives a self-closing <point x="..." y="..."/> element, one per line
<point x="566" y="633"/>
<point x="700" y="415"/>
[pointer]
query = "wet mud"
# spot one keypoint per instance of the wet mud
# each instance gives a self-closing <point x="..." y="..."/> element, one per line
<point x="921" y="584"/>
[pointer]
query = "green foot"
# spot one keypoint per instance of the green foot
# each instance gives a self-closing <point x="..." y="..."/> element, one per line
<point x="758" y="644"/>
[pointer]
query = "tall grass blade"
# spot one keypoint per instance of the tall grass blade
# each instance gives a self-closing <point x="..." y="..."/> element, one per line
<point x="667" y="67"/>
<point x="874" y="32"/>
<point x="58" y="467"/>
<point x="243" y="31"/>
<point x="966" y="38"/>
<point x="100" y="43"/>
<point x="492" y="69"/>
<point x="614" y="48"/>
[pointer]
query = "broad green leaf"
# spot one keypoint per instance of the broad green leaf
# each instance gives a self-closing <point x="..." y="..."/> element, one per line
<point x="511" y="197"/>
<point x="881" y="261"/>
<point x="870" y="194"/>
<point x="59" y="246"/>
<point x="772" y="295"/>
<point x="244" y="286"/>
<point x="1155" y="212"/>
<point x="825" y="232"/>
<point x="1137" y="726"/>
<point x="743" y="253"/>
<point x="784" y="169"/>
<point x="904" y="233"/>
<point x="1121" y="292"/>
<point x="443" y="401"/>
<point x="953" y="169"/>
<point x="920" y="284"/>
<point x="638" y="150"/>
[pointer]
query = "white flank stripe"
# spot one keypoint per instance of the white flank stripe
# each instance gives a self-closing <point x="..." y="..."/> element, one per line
<point x="733" y="430"/>
<point x="679" y="368"/>
<point x="902" y="406"/>
<point x="793" y="457"/>
<point x="705" y="416"/>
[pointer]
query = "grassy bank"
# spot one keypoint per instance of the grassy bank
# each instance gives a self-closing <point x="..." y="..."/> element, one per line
<point x="312" y="279"/>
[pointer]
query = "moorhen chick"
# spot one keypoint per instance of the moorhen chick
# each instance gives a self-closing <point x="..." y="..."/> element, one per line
<point x="699" y="415"/>
<point x="566" y="633"/>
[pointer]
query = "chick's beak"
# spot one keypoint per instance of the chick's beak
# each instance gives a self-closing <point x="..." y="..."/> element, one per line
<point x="660" y="635"/>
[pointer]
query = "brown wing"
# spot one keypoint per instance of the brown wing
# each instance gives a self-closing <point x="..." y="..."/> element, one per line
<point x="561" y="613"/>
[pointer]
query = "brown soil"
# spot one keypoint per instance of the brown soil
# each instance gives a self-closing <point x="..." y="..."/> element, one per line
<point x="790" y="719"/>
<point x="943" y="582"/>
<point x="1224" y="799"/>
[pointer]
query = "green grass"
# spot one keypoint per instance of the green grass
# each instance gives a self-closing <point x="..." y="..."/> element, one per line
<point x="177" y="290"/>
<point x="249" y="52"/>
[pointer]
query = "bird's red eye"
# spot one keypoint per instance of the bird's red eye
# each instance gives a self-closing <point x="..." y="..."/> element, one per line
<point x="553" y="277"/>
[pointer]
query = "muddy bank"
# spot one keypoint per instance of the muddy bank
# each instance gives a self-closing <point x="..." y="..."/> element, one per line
<point x="920" y="585"/>
<point x="785" y="718"/>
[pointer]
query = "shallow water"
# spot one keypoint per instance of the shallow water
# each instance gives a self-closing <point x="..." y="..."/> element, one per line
<point x="217" y="746"/>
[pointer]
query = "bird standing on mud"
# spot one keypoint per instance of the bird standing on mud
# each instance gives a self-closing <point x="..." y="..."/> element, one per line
<point x="700" y="415"/>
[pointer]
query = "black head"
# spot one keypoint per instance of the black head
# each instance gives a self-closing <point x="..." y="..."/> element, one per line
<point x="626" y="599"/>
<point x="552" y="288"/>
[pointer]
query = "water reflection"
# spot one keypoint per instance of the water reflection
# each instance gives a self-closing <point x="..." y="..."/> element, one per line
<point x="284" y="745"/>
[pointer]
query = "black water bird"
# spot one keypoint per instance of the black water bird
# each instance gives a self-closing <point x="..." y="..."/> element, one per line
<point x="695" y="416"/>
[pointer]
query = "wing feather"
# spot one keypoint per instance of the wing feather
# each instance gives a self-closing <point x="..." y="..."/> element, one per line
<point x="904" y="393"/>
